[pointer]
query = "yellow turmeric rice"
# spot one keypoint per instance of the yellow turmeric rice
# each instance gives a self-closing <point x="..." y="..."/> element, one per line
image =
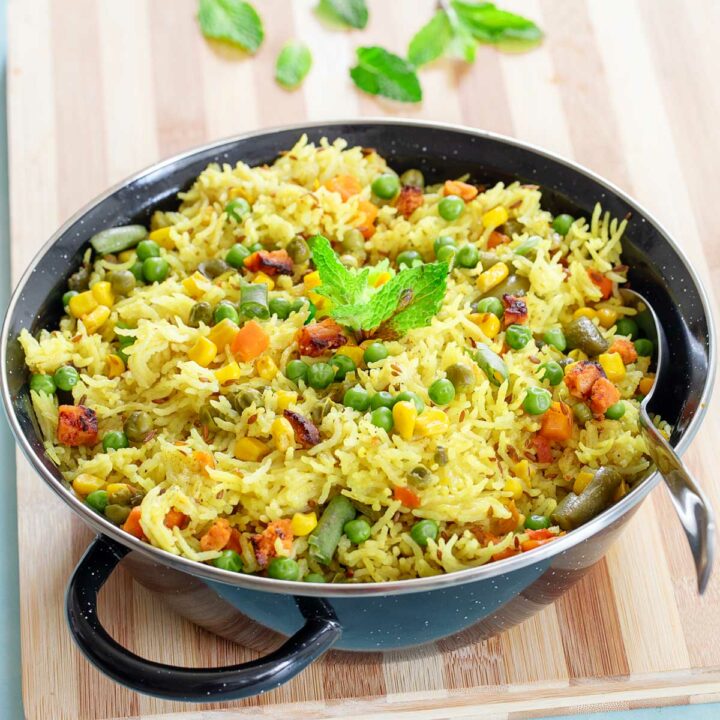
<point x="323" y="370"/>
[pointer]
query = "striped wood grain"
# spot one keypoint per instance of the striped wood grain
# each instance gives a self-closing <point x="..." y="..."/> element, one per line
<point x="99" y="89"/>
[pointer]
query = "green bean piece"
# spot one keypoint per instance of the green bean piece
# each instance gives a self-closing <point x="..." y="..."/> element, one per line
<point x="298" y="250"/>
<point x="245" y="398"/>
<point x="516" y="285"/>
<point x="138" y="426"/>
<point x="461" y="376"/>
<point x="491" y="364"/>
<point x="582" y="334"/>
<point x="419" y="476"/>
<point x="117" y="239"/>
<point x="324" y="539"/>
<point x="527" y="246"/>
<point x="441" y="455"/>
<point x="575" y="510"/>
<point x="213" y="268"/>
<point x="200" y="312"/>
<point x="254" y="301"/>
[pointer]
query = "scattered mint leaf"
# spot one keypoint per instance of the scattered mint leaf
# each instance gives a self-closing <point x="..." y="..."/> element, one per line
<point x="233" y="21"/>
<point x="348" y="13"/>
<point x="379" y="72"/>
<point x="489" y="24"/>
<point x="462" y="44"/>
<point x="431" y="40"/>
<point x="293" y="64"/>
<point x="339" y="284"/>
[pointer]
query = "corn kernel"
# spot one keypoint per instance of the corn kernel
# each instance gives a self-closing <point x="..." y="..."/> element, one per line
<point x="514" y="486"/>
<point x="116" y="487"/>
<point x="492" y="276"/>
<point x="582" y="481"/>
<point x="82" y="303"/>
<point x="95" y="318"/>
<point x="85" y="483"/>
<point x="282" y="433"/>
<point x="196" y="285"/>
<point x="607" y="317"/>
<point x="162" y="237"/>
<point x="312" y="280"/>
<point x="382" y="278"/>
<point x="250" y="449"/>
<point x="488" y="323"/>
<point x="303" y="523"/>
<point x="228" y="373"/>
<point x="613" y="366"/>
<point x="126" y="255"/>
<point x="237" y="192"/>
<point x="646" y="384"/>
<point x="203" y="352"/>
<point x="495" y="217"/>
<point x="620" y="491"/>
<point x="115" y="366"/>
<point x="432" y="421"/>
<point x="285" y="398"/>
<point x="354" y="352"/>
<point x="102" y="292"/>
<point x="522" y="470"/>
<point x="577" y="354"/>
<point x="405" y="415"/>
<point x="261" y="277"/>
<point x="585" y="312"/>
<point x="223" y="333"/>
<point x="266" y="367"/>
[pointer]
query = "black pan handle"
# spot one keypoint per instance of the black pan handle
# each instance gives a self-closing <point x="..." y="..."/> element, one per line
<point x="320" y="632"/>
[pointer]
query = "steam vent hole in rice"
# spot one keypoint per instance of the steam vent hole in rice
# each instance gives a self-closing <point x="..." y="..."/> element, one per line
<point x="226" y="394"/>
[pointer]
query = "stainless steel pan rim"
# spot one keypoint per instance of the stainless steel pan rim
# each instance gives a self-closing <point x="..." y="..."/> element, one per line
<point x="445" y="581"/>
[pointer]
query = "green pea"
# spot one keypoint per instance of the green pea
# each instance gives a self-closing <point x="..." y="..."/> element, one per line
<point x="243" y="400"/>
<point x="461" y="376"/>
<point x="616" y="411"/>
<point x="556" y="338"/>
<point x="354" y="242"/>
<point x="553" y="373"/>
<point x="320" y="375"/>
<point x="518" y="336"/>
<point x="147" y="249"/>
<point x="68" y="296"/>
<point x="382" y="399"/>
<point x="314" y="578"/>
<point x="66" y="378"/>
<point x="344" y="365"/>
<point x="357" y="531"/>
<point x="297" y="305"/>
<point x="225" y="310"/>
<point x="375" y="352"/>
<point x="527" y="246"/>
<point x="442" y="391"/>
<point x="296" y="370"/>
<point x="491" y="305"/>
<point x="382" y="417"/>
<point x="122" y="281"/>
<point x="137" y="270"/>
<point x="644" y="348"/>
<point x="451" y="207"/>
<point x="407" y="396"/>
<point x="582" y="413"/>
<point x="138" y="426"/>
<point x="628" y="327"/>
<point x="447" y="254"/>
<point x="201" y="312"/>
<point x="229" y="560"/>
<point x="115" y="440"/>
<point x="357" y="398"/>
<point x="562" y="224"/>
<point x="237" y="208"/>
<point x="256" y="247"/>
<point x="537" y="522"/>
<point x="117" y="514"/>
<point x="537" y="401"/>
<point x="386" y="186"/>
<point x="299" y="250"/>
<point x="424" y="530"/>
<point x="467" y="256"/>
<point x="282" y="568"/>
<point x="155" y="269"/>
<point x="43" y="384"/>
<point x="408" y="258"/>
<point x="413" y="178"/>
<point x="236" y="255"/>
<point x="441" y="241"/>
<point x="97" y="500"/>
<point x="279" y="306"/>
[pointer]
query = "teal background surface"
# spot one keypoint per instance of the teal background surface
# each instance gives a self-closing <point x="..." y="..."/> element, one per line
<point x="10" y="669"/>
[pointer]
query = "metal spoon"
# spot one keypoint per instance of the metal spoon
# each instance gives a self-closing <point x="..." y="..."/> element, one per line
<point x="691" y="503"/>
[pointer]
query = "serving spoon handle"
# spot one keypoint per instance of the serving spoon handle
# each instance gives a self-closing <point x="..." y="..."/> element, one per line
<point x="691" y="503"/>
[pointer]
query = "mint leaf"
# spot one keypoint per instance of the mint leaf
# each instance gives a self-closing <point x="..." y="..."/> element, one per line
<point x="292" y="64"/>
<point x="462" y="44"/>
<point x="430" y="41"/>
<point x="379" y="72"/>
<point x="348" y="13"/>
<point x="339" y="284"/>
<point x="233" y="21"/>
<point x="489" y="24"/>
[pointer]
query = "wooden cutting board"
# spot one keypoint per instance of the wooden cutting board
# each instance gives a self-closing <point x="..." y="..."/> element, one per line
<point x="101" y="88"/>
